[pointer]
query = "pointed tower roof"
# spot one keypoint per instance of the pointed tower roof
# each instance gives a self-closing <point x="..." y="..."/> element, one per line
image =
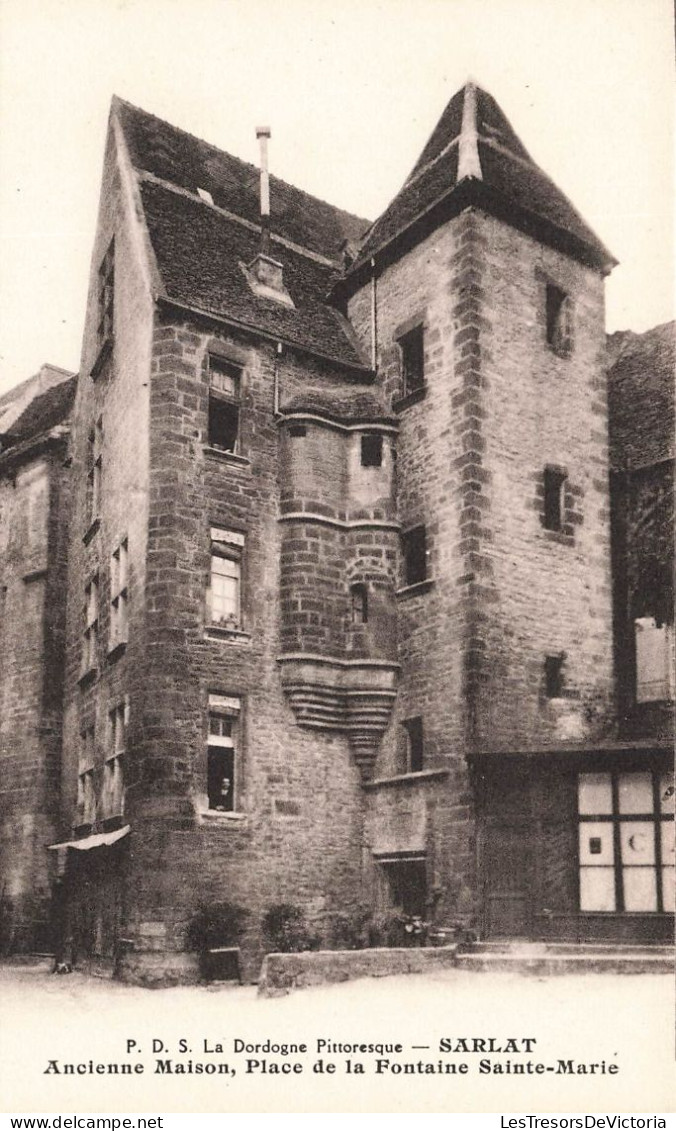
<point x="474" y="157"/>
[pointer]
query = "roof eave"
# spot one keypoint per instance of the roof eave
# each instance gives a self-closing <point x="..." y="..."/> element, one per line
<point x="467" y="193"/>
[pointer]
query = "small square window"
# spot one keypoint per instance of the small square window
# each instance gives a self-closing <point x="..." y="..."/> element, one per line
<point x="554" y="481"/>
<point x="559" y="319"/>
<point x="414" y="549"/>
<point x="412" y="346"/>
<point x="414" y="755"/>
<point x="371" y="449"/>
<point x="222" y="763"/>
<point x="359" y="601"/>
<point x="224" y="404"/>
<point x="554" y="676"/>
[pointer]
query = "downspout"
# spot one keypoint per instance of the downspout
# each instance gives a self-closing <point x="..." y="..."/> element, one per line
<point x="374" y="317"/>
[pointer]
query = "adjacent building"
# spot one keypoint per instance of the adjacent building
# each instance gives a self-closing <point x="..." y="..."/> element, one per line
<point x="340" y="623"/>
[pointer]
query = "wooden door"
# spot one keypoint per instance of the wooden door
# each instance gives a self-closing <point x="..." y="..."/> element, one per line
<point x="507" y="881"/>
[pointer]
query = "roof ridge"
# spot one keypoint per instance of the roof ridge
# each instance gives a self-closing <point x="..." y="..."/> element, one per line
<point x="116" y="100"/>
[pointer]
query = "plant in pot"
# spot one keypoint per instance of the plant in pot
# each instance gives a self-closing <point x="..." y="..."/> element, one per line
<point x="214" y="932"/>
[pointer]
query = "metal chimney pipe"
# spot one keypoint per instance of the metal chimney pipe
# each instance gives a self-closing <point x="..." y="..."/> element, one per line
<point x="263" y="134"/>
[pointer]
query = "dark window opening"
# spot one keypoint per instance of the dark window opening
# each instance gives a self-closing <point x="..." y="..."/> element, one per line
<point x="371" y="450"/>
<point x="553" y="501"/>
<point x="414" y="549"/>
<point x="223" y="424"/>
<point x="413" y="729"/>
<point x="298" y="430"/>
<point x="221" y="778"/>
<point x="559" y="319"/>
<point x="360" y="608"/>
<point x="412" y="347"/>
<point x="554" y="676"/>
<point x="407" y="883"/>
<point x="224" y="400"/>
<point x="106" y="295"/>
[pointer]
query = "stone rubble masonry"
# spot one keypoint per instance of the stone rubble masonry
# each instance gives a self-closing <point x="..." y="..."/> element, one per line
<point x="34" y="512"/>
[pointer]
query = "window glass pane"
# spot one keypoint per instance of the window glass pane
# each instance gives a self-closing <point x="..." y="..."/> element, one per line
<point x="596" y="843"/>
<point x="668" y="889"/>
<point x="637" y="839"/>
<point x="636" y="793"/>
<point x="667" y="842"/>
<point x="640" y="889"/>
<point x="597" y="889"/>
<point x="667" y="793"/>
<point x="595" y="793"/>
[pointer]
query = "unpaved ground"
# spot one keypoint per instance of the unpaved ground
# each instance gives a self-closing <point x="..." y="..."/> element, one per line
<point x="620" y="1020"/>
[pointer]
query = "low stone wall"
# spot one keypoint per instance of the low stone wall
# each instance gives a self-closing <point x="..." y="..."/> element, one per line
<point x="282" y="973"/>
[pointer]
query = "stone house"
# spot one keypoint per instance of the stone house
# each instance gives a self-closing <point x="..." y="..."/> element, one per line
<point x="339" y="611"/>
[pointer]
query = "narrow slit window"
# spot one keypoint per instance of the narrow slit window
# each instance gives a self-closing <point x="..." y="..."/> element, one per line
<point x="412" y="346"/>
<point x="554" y="676"/>
<point x="119" y="595"/>
<point x="106" y="296"/>
<point x="554" y="482"/>
<point x="414" y="754"/>
<point x="414" y="550"/>
<point x="360" y="603"/>
<point x="558" y="312"/>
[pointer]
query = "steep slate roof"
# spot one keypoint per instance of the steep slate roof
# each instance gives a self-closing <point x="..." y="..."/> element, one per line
<point x="641" y="397"/>
<point x="44" y="412"/>
<point x="199" y="248"/>
<point x="474" y="157"/>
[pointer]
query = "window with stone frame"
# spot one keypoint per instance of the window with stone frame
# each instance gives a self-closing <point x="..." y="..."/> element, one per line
<point x="412" y="349"/>
<point x="223" y="769"/>
<point x="372" y="449"/>
<point x="224" y="592"/>
<point x="224" y="404"/>
<point x="626" y="841"/>
<point x="359" y="602"/>
<point x="554" y="679"/>
<point x="112" y="791"/>
<point x="414" y="553"/>
<point x="119" y="595"/>
<point x="94" y="471"/>
<point x="553" y="503"/>
<point x="106" y="296"/>
<point x="559" y="320"/>
<point x="86" y="792"/>
<point x="414" y="745"/>
<point x="91" y="632"/>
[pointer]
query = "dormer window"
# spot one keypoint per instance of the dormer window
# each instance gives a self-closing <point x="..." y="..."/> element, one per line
<point x="224" y="402"/>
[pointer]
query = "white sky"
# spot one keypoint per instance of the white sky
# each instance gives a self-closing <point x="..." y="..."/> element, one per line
<point x="352" y="90"/>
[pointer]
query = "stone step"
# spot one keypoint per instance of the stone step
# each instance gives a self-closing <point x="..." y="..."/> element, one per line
<point x="654" y="960"/>
<point x="525" y="947"/>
